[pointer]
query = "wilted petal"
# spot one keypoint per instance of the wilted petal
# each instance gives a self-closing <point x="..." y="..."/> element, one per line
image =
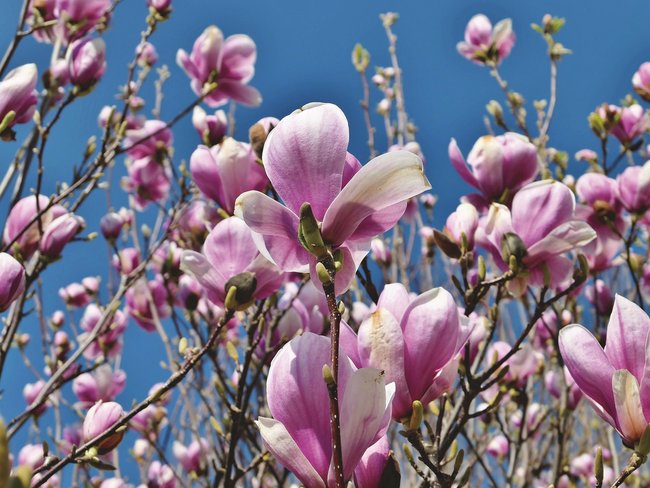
<point x="277" y="229"/>
<point x="627" y="333"/>
<point x="385" y="181"/>
<point x="629" y="413"/>
<point x="304" y="157"/>
<point x="588" y="365"/>
<point x="279" y="443"/>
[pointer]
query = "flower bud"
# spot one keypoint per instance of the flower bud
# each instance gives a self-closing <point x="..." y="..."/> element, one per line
<point x="641" y="81"/>
<point x="147" y="55"/>
<point x="111" y="225"/>
<point x="633" y="188"/>
<point x="380" y="252"/>
<point x="31" y="391"/>
<point x="161" y="6"/>
<point x="211" y="128"/>
<point x="258" y="133"/>
<point x="101" y="417"/>
<point x="86" y="62"/>
<point x="17" y="98"/>
<point x="60" y="231"/>
<point x="12" y="284"/>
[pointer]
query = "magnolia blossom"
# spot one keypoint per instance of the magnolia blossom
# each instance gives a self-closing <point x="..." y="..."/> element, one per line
<point x="306" y="160"/>
<point x="484" y="43"/>
<point x="633" y="188"/>
<point x="153" y="140"/>
<point x="227" y="170"/>
<point x="229" y="63"/>
<point x="540" y="228"/>
<point x="402" y="338"/>
<point x="17" y="98"/>
<point x="102" y="384"/>
<point x="299" y="434"/>
<point x="147" y="303"/>
<point x="192" y="457"/>
<point x="160" y="476"/>
<point x="211" y="128"/>
<point x="614" y="380"/>
<point x="59" y="233"/>
<point x="498" y="164"/>
<point x="148" y="181"/>
<point x="462" y="222"/>
<point x="86" y="61"/>
<point x="641" y="81"/>
<point x="230" y="258"/>
<point x="101" y="417"/>
<point x="13" y="280"/>
<point x="633" y="122"/>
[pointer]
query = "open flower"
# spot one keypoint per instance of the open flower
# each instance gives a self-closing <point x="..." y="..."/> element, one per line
<point x="540" y="229"/>
<point x="299" y="434"/>
<point x="306" y="160"/>
<point x="483" y="43"/>
<point x="230" y="258"/>
<point x="229" y="63"/>
<point x="403" y="338"/>
<point x="615" y="380"/>
<point x="17" y="98"/>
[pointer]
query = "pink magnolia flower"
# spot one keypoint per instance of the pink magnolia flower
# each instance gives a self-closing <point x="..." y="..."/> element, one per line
<point x="148" y="181"/>
<point x="484" y="43"/>
<point x="498" y="446"/>
<point x="634" y="121"/>
<point x="229" y="63"/>
<point x="195" y="222"/>
<point x="160" y="476"/>
<point x="192" y="457"/>
<point x="211" y="128"/>
<point x="111" y="225"/>
<point x="600" y="296"/>
<point x="147" y="54"/>
<point x="31" y="455"/>
<point x="371" y="467"/>
<point x="402" y="338"/>
<point x="227" y="170"/>
<point x="641" y="81"/>
<point x="259" y="132"/>
<point x="633" y="188"/>
<point x="18" y="98"/>
<point x="59" y="233"/>
<point x="31" y="391"/>
<point x="380" y="252"/>
<point x="497" y="164"/>
<point x="101" y="417"/>
<point x="555" y="385"/>
<point x="102" y="384"/>
<point x="306" y="160"/>
<point x="614" y="380"/>
<point x="230" y="252"/>
<point x="153" y="140"/>
<point x="126" y="260"/>
<point x="464" y="221"/>
<point x="13" y="280"/>
<point x="543" y="218"/>
<point x="299" y="434"/>
<point x="586" y="155"/>
<point x="82" y="15"/>
<point x="75" y="295"/>
<point x="147" y="301"/>
<point x="86" y="62"/>
<point x="162" y="6"/>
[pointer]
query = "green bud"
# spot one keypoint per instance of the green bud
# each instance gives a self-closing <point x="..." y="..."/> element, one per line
<point x="182" y="346"/>
<point x="7" y="120"/>
<point x="512" y="246"/>
<point x="245" y="285"/>
<point x="643" y="447"/>
<point x="481" y="269"/>
<point x="598" y="467"/>
<point x="408" y="453"/>
<point x="328" y="376"/>
<point x="416" y="415"/>
<point x="323" y="274"/>
<point x="309" y="232"/>
<point x="338" y="259"/>
<point x="360" y="58"/>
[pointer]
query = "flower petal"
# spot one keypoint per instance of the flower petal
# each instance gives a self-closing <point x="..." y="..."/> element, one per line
<point x="627" y="334"/>
<point x="629" y="413"/>
<point x="196" y="265"/>
<point x="385" y="181"/>
<point x="394" y="298"/>
<point x="238" y="58"/>
<point x="230" y="247"/>
<point x="458" y="162"/>
<point x="588" y="365"/>
<point x="275" y="230"/>
<point x="244" y="94"/>
<point x="563" y="238"/>
<point x="279" y="443"/>
<point x="304" y="157"/>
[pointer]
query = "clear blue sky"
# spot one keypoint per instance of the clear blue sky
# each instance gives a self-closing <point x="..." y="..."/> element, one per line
<point x="304" y="55"/>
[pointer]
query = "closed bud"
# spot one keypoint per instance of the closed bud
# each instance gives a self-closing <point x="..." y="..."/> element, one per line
<point x="86" y="62"/>
<point x="245" y="284"/>
<point x="512" y="247"/>
<point x="100" y="418"/>
<point x="360" y="58"/>
<point x="309" y="232"/>
<point x="416" y="415"/>
<point x="446" y="245"/>
<point x="12" y="284"/>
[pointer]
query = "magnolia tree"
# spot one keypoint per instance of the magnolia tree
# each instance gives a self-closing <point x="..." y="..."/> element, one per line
<point x="315" y="327"/>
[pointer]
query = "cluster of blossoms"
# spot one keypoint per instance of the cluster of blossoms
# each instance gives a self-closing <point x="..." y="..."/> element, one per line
<point x="284" y="359"/>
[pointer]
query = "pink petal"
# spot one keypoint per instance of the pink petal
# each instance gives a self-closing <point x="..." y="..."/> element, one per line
<point x="230" y="247"/>
<point x="275" y="230"/>
<point x="371" y="466"/>
<point x="196" y="265"/>
<point x="588" y="365"/>
<point x="244" y="94"/>
<point x="205" y="174"/>
<point x="385" y="181"/>
<point x="348" y="343"/>
<point x="269" y="277"/>
<point x="458" y="162"/>
<point x="629" y="413"/>
<point x="280" y="444"/>
<point x="627" y="334"/>
<point x="304" y="157"/>
<point x="563" y="238"/>
<point x="394" y="298"/>
<point x="238" y="58"/>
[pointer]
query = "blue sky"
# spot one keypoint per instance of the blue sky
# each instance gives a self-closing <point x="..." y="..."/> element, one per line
<point x="304" y="55"/>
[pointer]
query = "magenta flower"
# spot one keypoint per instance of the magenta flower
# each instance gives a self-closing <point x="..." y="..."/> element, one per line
<point x="160" y="476"/>
<point x="161" y="6"/>
<point x="192" y="457"/>
<point x="483" y="43"/>
<point x="497" y="164"/>
<point x="543" y="218"/>
<point x="402" y="338"/>
<point x="229" y="63"/>
<point x="227" y="170"/>
<point x="101" y="417"/>
<point x="147" y="54"/>
<point x="211" y="128"/>
<point x="109" y="342"/>
<point x="306" y="160"/>
<point x="464" y="221"/>
<point x="153" y="140"/>
<point x="614" y="380"/>
<point x="103" y="384"/>
<point x="229" y="253"/>
<point x="59" y="233"/>
<point x="17" y="98"/>
<point x="633" y="188"/>
<point x="86" y="62"/>
<point x="148" y="181"/>
<point x="31" y="391"/>
<point x="634" y="121"/>
<point x="641" y="81"/>
<point x="147" y="302"/>
<point x="299" y="434"/>
<point x="81" y="15"/>
<point x="13" y="280"/>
